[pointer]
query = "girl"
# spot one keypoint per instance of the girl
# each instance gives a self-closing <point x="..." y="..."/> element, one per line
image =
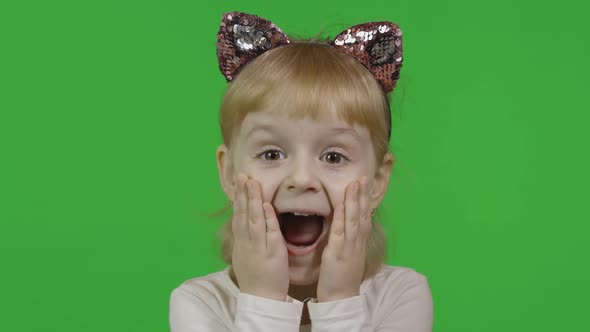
<point x="304" y="161"/>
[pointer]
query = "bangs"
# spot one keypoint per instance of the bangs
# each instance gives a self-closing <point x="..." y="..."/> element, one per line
<point x="307" y="80"/>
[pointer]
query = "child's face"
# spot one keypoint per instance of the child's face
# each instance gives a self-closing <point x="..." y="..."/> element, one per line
<point x="305" y="164"/>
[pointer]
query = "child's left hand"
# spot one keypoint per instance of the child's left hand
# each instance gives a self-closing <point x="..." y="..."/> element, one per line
<point x="343" y="259"/>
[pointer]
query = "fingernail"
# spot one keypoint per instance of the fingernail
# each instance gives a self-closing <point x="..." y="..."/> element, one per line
<point x="243" y="179"/>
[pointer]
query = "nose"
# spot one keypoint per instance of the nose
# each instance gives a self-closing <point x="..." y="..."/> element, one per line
<point x="302" y="177"/>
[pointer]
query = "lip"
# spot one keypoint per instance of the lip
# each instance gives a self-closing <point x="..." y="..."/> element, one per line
<point x="296" y="251"/>
<point x="303" y="211"/>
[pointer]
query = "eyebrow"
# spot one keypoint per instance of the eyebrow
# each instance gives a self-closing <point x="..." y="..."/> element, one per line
<point x="336" y="131"/>
<point x="346" y="131"/>
<point x="261" y="127"/>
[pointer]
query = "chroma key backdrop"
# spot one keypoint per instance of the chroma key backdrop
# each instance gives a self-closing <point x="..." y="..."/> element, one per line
<point x="109" y="125"/>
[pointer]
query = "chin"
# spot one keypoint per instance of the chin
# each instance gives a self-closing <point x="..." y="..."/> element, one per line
<point x="303" y="275"/>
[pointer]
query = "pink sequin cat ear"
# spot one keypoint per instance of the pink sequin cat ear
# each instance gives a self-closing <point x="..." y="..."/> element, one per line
<point x="242" y="37"/>
<point x="378" y="46"/>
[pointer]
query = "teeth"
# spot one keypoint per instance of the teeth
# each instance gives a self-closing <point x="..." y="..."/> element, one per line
<point x="301" y="214"/>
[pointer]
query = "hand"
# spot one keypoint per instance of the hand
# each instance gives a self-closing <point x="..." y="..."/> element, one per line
<point x="259" y="259"/>
<point x="343" y="259"/>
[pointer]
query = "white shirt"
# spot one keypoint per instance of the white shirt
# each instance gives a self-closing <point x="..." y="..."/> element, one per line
<point x="396" y="299"/>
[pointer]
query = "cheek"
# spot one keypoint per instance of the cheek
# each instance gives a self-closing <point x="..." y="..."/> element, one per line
<point x="268" y="191"/>
<point x="336" y="192"/>
<point x="268" y="183"/>
<point x="268" y="180"/>
<point x="336" y="185"/>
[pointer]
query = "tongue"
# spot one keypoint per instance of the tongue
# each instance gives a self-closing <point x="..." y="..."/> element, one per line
<point x="301" y="230"/>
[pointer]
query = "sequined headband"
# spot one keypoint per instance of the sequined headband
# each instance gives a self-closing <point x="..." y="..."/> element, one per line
<point x="377" y="45"/>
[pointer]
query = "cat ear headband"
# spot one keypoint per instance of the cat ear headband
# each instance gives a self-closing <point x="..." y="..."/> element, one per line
<point x="377" y="45"/>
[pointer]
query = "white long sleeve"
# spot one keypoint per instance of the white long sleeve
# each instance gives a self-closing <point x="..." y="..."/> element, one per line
<point x="349" y="315"/>
<point x="396" y="299"/>
<point x="410" y="311"/>
<point x="259" y="314"/>
<point x="188" y="313"/>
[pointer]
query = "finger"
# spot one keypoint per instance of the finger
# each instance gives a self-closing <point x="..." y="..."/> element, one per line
<point x="336" y="239"/>
<point x="239" y="221"/>
<point x="351" y="212"/>
<point x="256" y="224"/>
<point x="274" y="237"/>
<point x="364" y="214"/>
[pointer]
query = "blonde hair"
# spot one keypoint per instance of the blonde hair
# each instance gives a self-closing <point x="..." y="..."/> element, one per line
<point x="309" y="79"/>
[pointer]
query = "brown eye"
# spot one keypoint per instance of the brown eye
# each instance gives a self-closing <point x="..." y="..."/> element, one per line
<point x="271" y="155"/>
<point x="333" y="157"/>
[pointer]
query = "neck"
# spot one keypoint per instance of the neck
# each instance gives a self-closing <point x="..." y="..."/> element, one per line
<point x="302" y="292"/>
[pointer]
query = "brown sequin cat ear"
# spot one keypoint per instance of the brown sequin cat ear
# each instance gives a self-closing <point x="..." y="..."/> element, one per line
<point x="242" y="37"/>
<point x="378" y="46"/>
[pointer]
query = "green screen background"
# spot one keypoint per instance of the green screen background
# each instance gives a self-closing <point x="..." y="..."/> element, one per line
<point x="108" y="129"/>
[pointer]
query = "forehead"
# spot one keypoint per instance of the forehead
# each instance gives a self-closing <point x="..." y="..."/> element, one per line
<point x="277" y="123"/>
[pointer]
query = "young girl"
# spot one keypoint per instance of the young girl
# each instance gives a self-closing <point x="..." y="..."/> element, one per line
<point x="305" y="163"/>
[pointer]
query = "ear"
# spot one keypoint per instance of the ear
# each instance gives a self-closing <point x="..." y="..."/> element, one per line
<point x="225" y="169"/>
<point x="381" y="180"/>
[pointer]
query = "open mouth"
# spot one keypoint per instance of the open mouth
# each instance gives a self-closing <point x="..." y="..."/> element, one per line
<point x="301" y="231"/>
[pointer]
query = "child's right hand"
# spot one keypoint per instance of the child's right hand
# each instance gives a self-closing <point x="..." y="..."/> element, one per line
<point x="259" y="259"/>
